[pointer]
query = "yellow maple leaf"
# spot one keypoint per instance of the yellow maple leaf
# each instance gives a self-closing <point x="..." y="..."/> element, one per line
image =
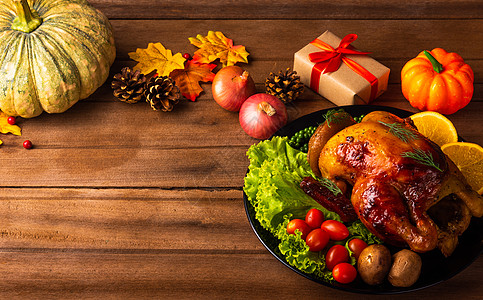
<point x="157" y="57"/>
<point x="217" y="46"/>
<point x="6" y="128"/>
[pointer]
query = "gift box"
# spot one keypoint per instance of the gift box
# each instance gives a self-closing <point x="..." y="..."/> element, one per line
<point x="337" y="71"/>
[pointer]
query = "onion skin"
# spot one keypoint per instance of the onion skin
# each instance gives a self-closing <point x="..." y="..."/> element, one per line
<point x="231" y="87"/>
<point x="262" y="115"/>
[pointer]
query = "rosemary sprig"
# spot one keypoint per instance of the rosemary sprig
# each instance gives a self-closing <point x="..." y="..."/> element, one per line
<point x="402" y="133"/>
<point x="330" y="185"/>
<point x="334" y="116"/>
<point x="425" y="158"/>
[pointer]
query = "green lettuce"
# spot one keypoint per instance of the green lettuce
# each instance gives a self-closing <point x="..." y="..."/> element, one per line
<point x="272" y="183"/>
<point x="272" y="188"/>
<point x="358" y="230"/>
<point x="297" y="253"/>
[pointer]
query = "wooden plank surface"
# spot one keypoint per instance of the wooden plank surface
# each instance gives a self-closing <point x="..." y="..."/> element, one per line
<point x="280" y="39"/>
<point x="129" y="219"/>
<point x="120" y="201"/>
<point x="183" y="275"/>
<point x="287" y="9"/>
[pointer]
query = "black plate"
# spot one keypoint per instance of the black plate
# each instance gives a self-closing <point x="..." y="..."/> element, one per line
<point x="436" y="268"/>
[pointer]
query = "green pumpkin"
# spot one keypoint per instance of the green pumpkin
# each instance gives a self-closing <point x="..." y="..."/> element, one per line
<point x="52" y="54"/>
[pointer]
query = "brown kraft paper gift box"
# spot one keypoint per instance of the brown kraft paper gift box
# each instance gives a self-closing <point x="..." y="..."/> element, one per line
<point x="343" y="86"/>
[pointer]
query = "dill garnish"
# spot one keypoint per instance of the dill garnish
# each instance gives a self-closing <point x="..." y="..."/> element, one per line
<point x="423" y="157"/>
<point x="331" y="186"/>
<point x="335" y="116"/>
<point x="400" y="131"/>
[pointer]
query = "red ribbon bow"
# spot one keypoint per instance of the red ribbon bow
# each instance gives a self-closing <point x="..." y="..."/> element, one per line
<point x="330" y="59"/>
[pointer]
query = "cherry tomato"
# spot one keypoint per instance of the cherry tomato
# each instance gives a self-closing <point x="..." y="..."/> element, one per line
<point x="344" y="273"/>
<point x="300" y="225"/>
<point x="317" y="239"/>
<point x="314" y="218"/>
<point x="356" y="246"/>
<point x="337" y="254"/>
<point x="337" y="231"/>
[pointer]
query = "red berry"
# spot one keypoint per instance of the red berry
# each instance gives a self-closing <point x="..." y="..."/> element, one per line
<point x="11" y="120"/>
<point x="27" y="144"/>
<point x="187" y="56"/>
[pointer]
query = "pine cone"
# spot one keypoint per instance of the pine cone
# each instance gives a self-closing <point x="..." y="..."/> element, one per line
<point x="285" y="85"/>
<point x="162" y="93"/>
<point x="128" y="85"/>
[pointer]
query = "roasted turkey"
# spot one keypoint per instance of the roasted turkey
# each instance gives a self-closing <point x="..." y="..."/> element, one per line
<point x="401" y="185"/>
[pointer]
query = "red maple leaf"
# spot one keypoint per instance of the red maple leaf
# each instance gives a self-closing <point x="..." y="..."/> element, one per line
<point x="188" y="79"/>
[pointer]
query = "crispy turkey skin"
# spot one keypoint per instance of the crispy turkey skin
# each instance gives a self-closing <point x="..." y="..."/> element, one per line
<point x="395" y="176"/>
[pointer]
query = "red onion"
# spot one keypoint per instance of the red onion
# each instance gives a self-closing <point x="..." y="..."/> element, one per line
<point x="262" y="115"/>
<point x="231" y="87"/>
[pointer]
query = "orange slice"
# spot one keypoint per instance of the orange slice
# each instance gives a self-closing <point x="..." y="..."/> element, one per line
<point x="435" y="127"/>
<point x="469" y="159"/>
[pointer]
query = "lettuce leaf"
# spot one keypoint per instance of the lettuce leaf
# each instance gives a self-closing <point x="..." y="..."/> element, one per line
<point x="358" y="230"/>
<point x="272" y="183"/>
<point x="272" y="187"/>
<point x="297" y="253"/>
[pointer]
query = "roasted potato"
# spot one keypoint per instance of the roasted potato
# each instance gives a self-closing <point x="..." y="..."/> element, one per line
<point x="406" y="268"/>
<point x="373" y="264"/>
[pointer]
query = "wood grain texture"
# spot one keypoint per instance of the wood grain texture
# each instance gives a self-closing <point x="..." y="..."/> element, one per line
<point x="287" y="9"/>
<point x="157" y="220"/>
<point x="183" y="275"/>
<point x="280" y="39"/>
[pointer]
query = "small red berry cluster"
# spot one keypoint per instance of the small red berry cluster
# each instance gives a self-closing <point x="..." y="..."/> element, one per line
<point x="27" y="144"/>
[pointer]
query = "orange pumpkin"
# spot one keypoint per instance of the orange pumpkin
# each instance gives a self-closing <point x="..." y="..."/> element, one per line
<point x="437" y="81"/>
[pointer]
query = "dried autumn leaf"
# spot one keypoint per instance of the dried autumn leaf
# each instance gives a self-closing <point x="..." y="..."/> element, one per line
<point x="157" y="57"/>
<point x="217" y="46"/>
<point x="6" y="128"/>
<point x="188" y="79"/>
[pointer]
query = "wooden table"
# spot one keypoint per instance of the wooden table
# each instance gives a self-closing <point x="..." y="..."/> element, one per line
<point x="117" y="200"/>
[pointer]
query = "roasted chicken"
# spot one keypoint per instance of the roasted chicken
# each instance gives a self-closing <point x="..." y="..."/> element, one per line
<point x="401" y="185"/>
